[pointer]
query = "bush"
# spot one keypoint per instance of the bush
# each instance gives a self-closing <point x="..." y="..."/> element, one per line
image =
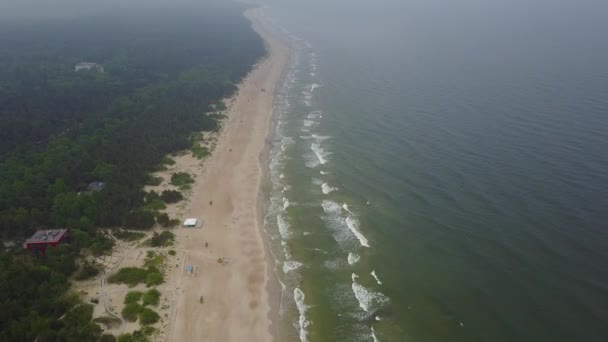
<point x="181" y="179"/>
<point x="87" y="271"/>
<point x="153" y="279"/>
<point x="147" y="316"/>
<point x="151" y="297"/>
<point x="140" y="219"/>
<point x="153" y="181"/>
<point x="171" y="252"/>
<point x="129" y="275"/>
<point x="133" y="297"/>
<point x="171" y="196"/>
<point x="130" y="312"/>
<point x="126" y="235"/>
<point x="168" y="161"/>
<point x="163" y="220"/>
<point x="163" y="239"/>
<point x="107" y="338"/>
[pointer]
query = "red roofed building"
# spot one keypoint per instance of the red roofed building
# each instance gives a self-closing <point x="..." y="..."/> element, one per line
<point x="44" y="238"/>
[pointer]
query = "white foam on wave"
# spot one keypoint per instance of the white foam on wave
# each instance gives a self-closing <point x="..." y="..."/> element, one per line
<point x="319" y="152"/>
<point x="285" y="203"/>
<point x="353" y="258"/>
<point x="327" y="189"/>
<point x="376" y="277"/>
<point x="305" y="137"/>
<point x="299" y="297"/>
<point x="368" y="300"/>
<point x="353" y="225"/>
<point x="307" y="233"/>
<point x="290" y="265"/>
<point x="281" y="176"/>
<point x="345" y="207"/>
<point x="308" y="123"/>
<point x="320" y="138"/>
<point x="315" y="114"/>
<point x="374" y="337"/>
<point x="283" y="227"/>
<point x="323" y="172"/>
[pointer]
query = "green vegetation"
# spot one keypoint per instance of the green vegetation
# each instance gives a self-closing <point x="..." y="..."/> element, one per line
<point x="150" y="275"/>
<point x="138" y="335"/>
<point x="135" y="275"/>
<point x="133" y="297"/>
<point x="168" y="161"/>
<point x="199" y="151"/>
<point x="126" y="235"/>
<point x="108" y="338"/>
<point x="131" y="311"/>
<point x="151" y="297"/>
<point x="153" y="181"/>
<point x="171" y="252"/>
<point x="61" y="130"/>
<point x="87" y="271"/>
<point x="163" y="239"/>
<point x="148" y="316"/>
<point x="181" y="179"/>
<point x="171" y="196"/>
<point x="140" y="219"/>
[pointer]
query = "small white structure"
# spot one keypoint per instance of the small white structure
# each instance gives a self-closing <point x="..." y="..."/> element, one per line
<point x="191" y="223"/>
<point x="88" y="66"/>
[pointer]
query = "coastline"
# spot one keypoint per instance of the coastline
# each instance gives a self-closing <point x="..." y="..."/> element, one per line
<point x="243" y="294"/>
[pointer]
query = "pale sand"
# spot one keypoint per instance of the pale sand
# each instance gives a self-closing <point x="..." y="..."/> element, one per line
<point x="236" y="296"/>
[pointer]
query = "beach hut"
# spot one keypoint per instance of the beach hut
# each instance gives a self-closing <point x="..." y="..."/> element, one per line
<point x="190" y="223"/>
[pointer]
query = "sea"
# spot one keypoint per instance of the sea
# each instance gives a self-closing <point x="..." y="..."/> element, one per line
<point x="439" y="170"/>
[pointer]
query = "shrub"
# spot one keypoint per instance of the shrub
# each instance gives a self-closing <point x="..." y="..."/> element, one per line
<point x="168" y="161"/>
<point x="151" y="297"/>
<point x="181" y="179"/>
<point x="130" y="312"/>
<point x="140" y="219"/>
<point x="154" y="278"/>
<point x="129" y="275"/>
<point x="163" y="239"/>
<point x="147" y="316"/>
<point x="171" y="252"/>
<point x="87" y="271"/>
<point x="154" y="181"/>
<point x="171" y="196"/>
<point x="133" y="297"/>
<point x="127" y="235"/>
<point x="107" y="338"/>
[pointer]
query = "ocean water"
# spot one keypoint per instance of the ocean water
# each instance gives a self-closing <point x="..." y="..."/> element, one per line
<point x="439" y="170"/>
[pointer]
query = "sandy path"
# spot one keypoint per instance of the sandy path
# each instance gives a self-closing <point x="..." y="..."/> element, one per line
<point x="236" y="306"/>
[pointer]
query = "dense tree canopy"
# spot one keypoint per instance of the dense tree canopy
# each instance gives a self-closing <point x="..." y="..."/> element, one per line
<point x="61" y="130"/>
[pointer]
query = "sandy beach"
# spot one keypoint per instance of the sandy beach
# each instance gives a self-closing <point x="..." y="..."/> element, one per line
<point x="227" y="196"/>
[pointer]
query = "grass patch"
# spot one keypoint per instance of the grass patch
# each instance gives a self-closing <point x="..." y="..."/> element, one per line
<point x="168" y="161"/>
<point x="138" y="335"/>
<point x="164" y="239"/>
<point x="131" y="311"/>
<point x="153" y="180"/>
<point x="87" y="271"/>
<point x="200" y="152"/>
<point x="151" y="297"/>
<point x="133" y="297"/>
<point x="148" y="316"/>
<point x="171" y="196"/>
<point x="155" y="205"/>
<point x="181" y="179"/>
<point x="126" y="235"/>
<point x="135" y="275"/>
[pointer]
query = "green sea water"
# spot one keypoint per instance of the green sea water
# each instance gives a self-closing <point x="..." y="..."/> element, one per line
<point x="438" y="171"/>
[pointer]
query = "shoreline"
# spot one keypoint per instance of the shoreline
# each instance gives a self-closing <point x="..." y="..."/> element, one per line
<point x="242" y="295"/>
